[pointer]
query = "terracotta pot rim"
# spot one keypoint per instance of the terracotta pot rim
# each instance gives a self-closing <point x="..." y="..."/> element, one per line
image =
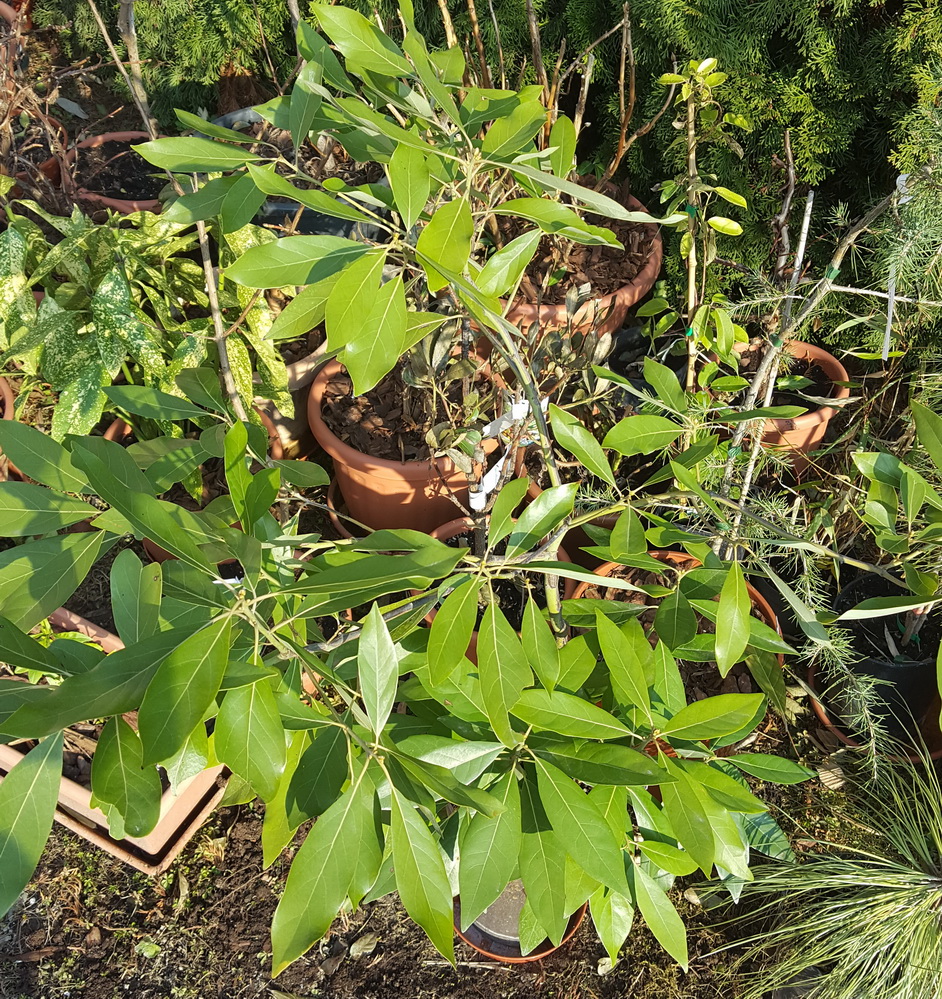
<point x="6" y="398"/>
<point x="414" y="470"/>
<point x="8" y="13"/>
<point x="757" y="600"/>
<point x="832" y="367"/>
<point x="541" y="951"/>
<point x="118" y="204"/>
<point x="336" y="522"/>
<point x="67" y="620"/>
<point x="628" y="294"/>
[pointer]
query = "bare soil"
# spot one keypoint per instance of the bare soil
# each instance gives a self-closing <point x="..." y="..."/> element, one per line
<point x="116" y="171"/>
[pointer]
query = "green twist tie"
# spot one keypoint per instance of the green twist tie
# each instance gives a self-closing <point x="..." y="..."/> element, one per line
<point x="689" y="331"/>
<point x="832" y="273"/>
<point x="734" y="450"/>
<point x="777" y="341"/>
<point x="691" y="210"/>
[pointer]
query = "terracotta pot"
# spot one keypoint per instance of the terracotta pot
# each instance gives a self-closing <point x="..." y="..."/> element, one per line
<point x="613" y="307"/>
<point x="336" y="521"/>
<point x="803" y="434"/>
<point x="100" y="200"/>
<point x="762" y="609"/>
<point x="7" y="468"/>
<point x="181" y="814"/>
<point x="507" y="951"/>
<point x="455" y="527"/>
<point x="928" y="726"/>
<point x="388" y="494"/>
<point x="50" y="168"/>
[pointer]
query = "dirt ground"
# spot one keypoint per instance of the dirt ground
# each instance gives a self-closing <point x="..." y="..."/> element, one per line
<point x="89" y="927"/>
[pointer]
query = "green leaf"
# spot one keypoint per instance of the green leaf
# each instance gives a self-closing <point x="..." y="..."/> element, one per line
<point x="120" y="779"/>
<point x="668" y="858"/>
<point x="776" y="769"/>
<point x="627" y="539"/>
<point x="541" y="861"/>
<point x="732" y="620"/>
<point x="420" y="874"/>
<point x="573" y="436"/>
<point x="726" y="226"/>
<point x="191" y="154"/>
<point x="488" y="852"/>
<point x="28" y="796"/>
<point x="378" y="669"/>
<point x="27" y="509"/>
<point x="277" y="831"/>
<point x="508" y="499"/>
<point x="666" y="384"/>
<point x="271" y="183"/>
<point x="206" y="203"/>
<point x="38" y="577"/>
<point x="642" y="434"/>
<point x="714" y="717"/>
<point x="340" y="846"/>
<point x="23" y="651"/>
<point x="509" y="135"/>
<point x="725" y="334"/>
<point x="250" y="738"/>
<point x="723" y="788"/>
<point x="40" y="457"/>
<point x="182" y="690"/>
<point x="198" y="124"/>
<point x="504" y="268"/>
<point x="320" y="774"/>
<point x="451" y="630"/>
<point x="503" y="671"/>
<point x="443" y="783"/>
<point x="541" y="517"/>
<point x="660" y="915"/>
<point x="688" y="820"/>
<point x="604" y="763"/>
<point x="568" y="715"/>
<point x="620" y="650"/>
<point x="562" y="141"/>
<point x="411" y="183"/>
<point x="381" y="336"/>
<point x="135" y="597"/>
<point x="540" y="645"/>
<point x="579" y="825"/>
<point x="675" y="621"/>
<point x="731" y="196"/>
<point x="446" y="240"/>
<point x="363" y="45"/>
<point x="304" y="474"/>
<point x="557" y="219"/>
<point x="297" y="260"/>
<point x="612" y="916"/>
<point x="241" y="204"/>
<point x="928" y="431"/>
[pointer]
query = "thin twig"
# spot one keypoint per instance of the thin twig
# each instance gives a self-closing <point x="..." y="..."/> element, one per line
<point x="538" y="66"/>
<point x="451" y="38"/>
<point x="584" y="93"/>
<point x="574" y="65"/>
<point x="500" y="47"/>
<point x="479" y="43"/>
<point x="780" y="222"/>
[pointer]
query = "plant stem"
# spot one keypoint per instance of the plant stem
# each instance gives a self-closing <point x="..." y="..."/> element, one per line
<point x="693" y="202"/>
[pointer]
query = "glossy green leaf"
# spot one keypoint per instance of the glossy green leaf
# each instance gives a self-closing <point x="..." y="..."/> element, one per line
<point x="411" y="183"/>
<point x="612" y="916"/>
<point x="499" y="276"/>
<point x="38" y="577"/>
<point x="562" y="142"/>
<point x="250" y="739"/>
<point x="541" y="517"/>
<point x="541" y="862"/>
<point x="191" y="154"/>
<point x="604" y="763"/>
<point x="668" y="858"/>
<point x="381" y="337"/>
<point x="304" y="474"/>
<point x="28" y="796"/>
<point x="446" y="240"/>
<point x="503" y="671"/>
<point x="452" y="628"/>
<point x="377" y="668"/>
<point x="666" y="384"/>
<point x="363" y="45"/>
<point x="579" y="825"/>
<point x="620" y="650"/>
<point x="120" y="779"/>
<point x="444" y="784"/>
<point x="41" y="458"/>
<point x="674" y="620"/>
<point x="508" y="499"/>
<point x="714" y="717"/>
<point x="277" y="830"/>
<point x="23" y="651"/>
<point x="688" y="820"/>
<point x="723" y="788"/>
<point x="319" y="776"/>
<point x="342" y="841"/>
<point x="509" y="135"/>
<point x="539" y="644"/>
<point x="563" y="222"/>
<point x="642" y="434"/>
<point x="573" y="436"/>
<point x="488" y="851"/>
<point x="273" y="184"/>
<point x="294" y="260"/>
<point x="929" y="431"/>
<point x="241" y="204"/>
<point x="660" y="915"/>
<point x="567" y="714"/>
<point x="731" y="196"/>
<point x="724" y="225"/>
<point x="732" y="620"/>
<point x="27" y="509"/>
<point x="420" y="875"/>
<point x="135" y="597"/>
<point x="182" y="689"/>
<point x="776" y="769"/>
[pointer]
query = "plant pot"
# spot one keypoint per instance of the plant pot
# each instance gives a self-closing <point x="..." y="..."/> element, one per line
<point x="493" y="933"/>
<point x="388" y="494"/>
<point x="804" y="433"/>
<point x="120" y="205"/>
<point x="608" y="311"/>
<point x="910" y="695"/>
<point x="181" y="814"/>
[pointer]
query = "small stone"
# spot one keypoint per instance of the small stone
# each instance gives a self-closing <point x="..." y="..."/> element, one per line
<point x="606" y="965"/>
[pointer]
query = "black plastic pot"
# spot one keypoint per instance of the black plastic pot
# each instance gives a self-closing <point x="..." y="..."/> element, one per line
<point x="909" y="682"/>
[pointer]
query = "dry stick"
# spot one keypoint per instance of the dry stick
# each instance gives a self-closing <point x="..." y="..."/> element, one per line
<point x="451" y="38"/>
<point x="584" y="93"/>
<point x="479" y="43"/>
<point x="780" y="222"/>
<point x="624" y="146"/>
<point x="129" y="37"/>
<point x="500" y="47"/>
<point x="625" y="114"/>
<point x="693" y="202"/>
<point x="573" y="66"/>
<point x="928" y="303"/>
<point x="537" y="50"/>
<point x="140" y="99"/>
